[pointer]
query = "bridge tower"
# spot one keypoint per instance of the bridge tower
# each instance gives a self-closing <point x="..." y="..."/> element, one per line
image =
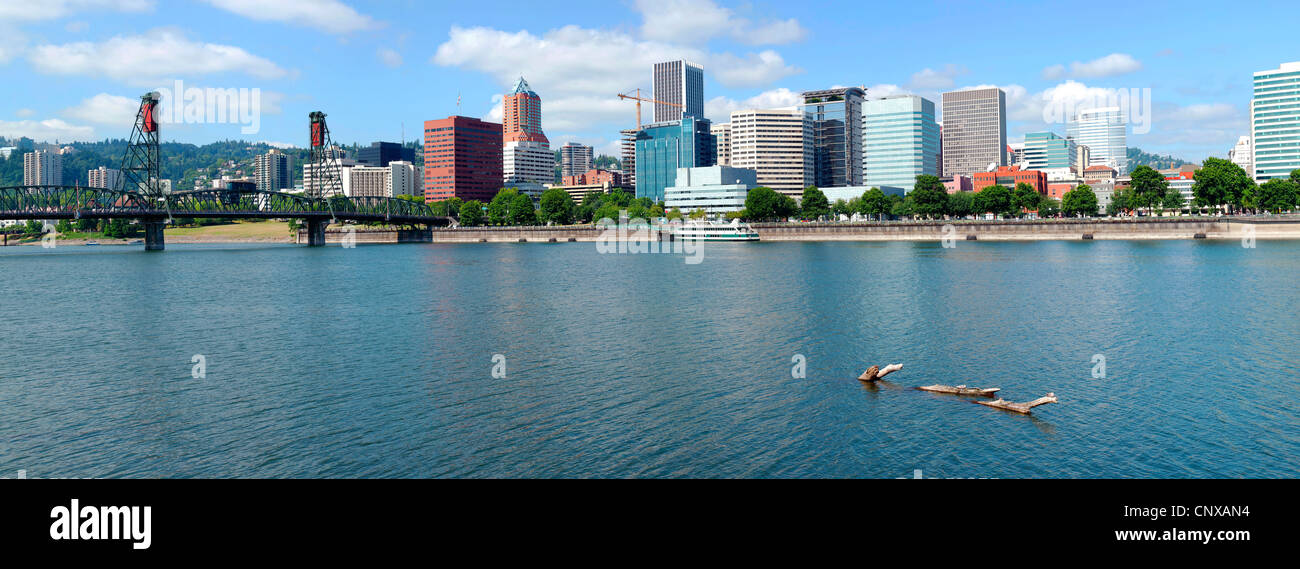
<point x="327" y="178"/>
<point x="140" y="166"/>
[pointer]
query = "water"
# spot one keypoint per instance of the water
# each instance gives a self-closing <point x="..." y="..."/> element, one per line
<point x="377" y="361"/>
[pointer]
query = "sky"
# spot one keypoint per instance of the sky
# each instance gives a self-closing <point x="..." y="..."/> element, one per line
<point x="74" y="69"/>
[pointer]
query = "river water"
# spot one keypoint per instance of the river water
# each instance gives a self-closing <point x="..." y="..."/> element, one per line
<point x="512" y="360"/>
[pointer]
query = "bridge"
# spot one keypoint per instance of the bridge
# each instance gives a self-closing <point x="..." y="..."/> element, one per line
<point x="140" y="196"/>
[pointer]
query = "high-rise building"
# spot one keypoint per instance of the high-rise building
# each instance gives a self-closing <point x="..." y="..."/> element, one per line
<point x="974" y="131"/>
<point x="43" y="168"/>
<point x="837" y="135"/>
<point x="679" y="82"/>
<point x="1243" y="155"/>
<point x="777" y="144"/>
<point x="1056" y="156"/>
<point x="1275" y="122"/>
<point x="1103" y="131"/>
<point x="314" y="177"/>
<point x="575" y="159"/>
<point x="900" y="141"/>
<point x="272" y="172"/>
<point x="662" y="148"/>
<point x="526" y="152"/>
<point x="382" y="153"/>
<point x="104" y="177"/>
<point x="462" y="158"/>
<point x="722" y="135"/>
<point x="396" y="179"/>
<point x="627" y="144"/>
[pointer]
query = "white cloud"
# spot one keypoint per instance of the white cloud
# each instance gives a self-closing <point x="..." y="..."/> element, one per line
<point x="329" y="15"/>
<point x="281" y="145"/>
<point x="26" y="11"/>
<point x="105" y="109"/>
<point x="163" y="53"/>
<point x="697" y="21"/>
<point x="1107" y="66"/>
<point x="24" y="113"/>
<point x="76" y="27"/>
<point x="942" y="79"/>
<point x="751" y="70"/>
<point x="47" y="130"/>
<point x="719" y="109"/>
<point x="389" y="57"/>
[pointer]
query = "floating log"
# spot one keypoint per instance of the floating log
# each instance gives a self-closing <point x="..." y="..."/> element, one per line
<point x="1020" y="407"/>
<point x="875" y="372"/>
<point x="962" y="390"/>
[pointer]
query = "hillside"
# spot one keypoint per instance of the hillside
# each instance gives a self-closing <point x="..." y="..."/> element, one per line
<point x="1136" y="157"/>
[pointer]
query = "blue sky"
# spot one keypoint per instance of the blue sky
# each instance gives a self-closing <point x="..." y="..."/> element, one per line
<point x="75" y="67"/>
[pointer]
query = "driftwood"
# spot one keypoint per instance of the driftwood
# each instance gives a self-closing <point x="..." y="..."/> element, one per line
<point x="962" y="390"/>
<point x="875" y="372"/>
<point x="1020" y="407"/>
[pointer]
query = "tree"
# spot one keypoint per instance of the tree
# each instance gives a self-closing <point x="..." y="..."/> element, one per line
<point x="522" y="211"/>
<point x="674" y="213"/>
<point x="698" y="213"/>
<point x="1220" y="182"/>
<point x="814" y="204"/>
<point x="556" y="207"/>
<point x="841" y="207"/>
<point x="1081" y="201"/>
<point x="786" y="207"/>
<point x="875" y="202"/>
<point x="1048" y="207"/>
<point x="1149" y="187"/>
<point x="1025" y="197"/>
<point x="471" y="213"/>
<point x="1278" y="195"/>
<point x="961" y="204"/>
<point x="902" y="206"/>
<point x="929" y="197"/>
<point x="498" y="210"/>
<point x="453" y="206"/>
<point x="1121" y="201"/>
<point x="994" y="199"/>
<point x="35" y="227"/>
<point x="761" y="203"/>
<point x="64" y="226"/>
<point x="1173" y="201"/>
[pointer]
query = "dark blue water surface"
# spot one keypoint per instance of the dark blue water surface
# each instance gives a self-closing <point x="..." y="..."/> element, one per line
<point x="377" y="361"/>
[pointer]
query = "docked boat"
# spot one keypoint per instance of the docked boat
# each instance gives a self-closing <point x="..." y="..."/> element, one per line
<point x="88" y="243"/>
<point x="961" y="390"/>
<point x="715" y="231"/>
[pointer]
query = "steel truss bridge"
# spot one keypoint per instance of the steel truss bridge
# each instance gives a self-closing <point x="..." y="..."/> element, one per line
<point x="154" y="209"/>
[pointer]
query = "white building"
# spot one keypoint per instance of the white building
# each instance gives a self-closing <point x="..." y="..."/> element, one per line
<point x="1104" y="131"/>
<point x="313" y="184"/>
<point x="527" y="161"/>
<point x="273" y="171"/>
<point x="722" y="134"/>
<point x="42" y="168"/>
<point x="575" y="159"/>
<point x="1275" y="122"/>
<point x="104" y="177"/>
<point x="777" y="144"/>
<point x="1243" y="155"/>
<point x="714" y="189"/>
<point x="395" y="179"/>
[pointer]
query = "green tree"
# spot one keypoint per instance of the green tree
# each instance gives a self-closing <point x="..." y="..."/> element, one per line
<point x="522" y="211"/>
<point x="1278" y="195"/>
<point x="35" y="227"/>
<point x="875" y="202"/>
<point x="471" y="213"/>
<point x="498" y="210"/>
<point x="1220" y="182"/>
<point x="64" y="226"/>
<point x="674" y="213"/>
<point x="1048" y="207"/>
<point x="1173" y="200"/>
<point x="814" y="204"/>
<point x="698" y="213"/>
<point x="1025" y="198"/>
<point x="1149" y="187"/>
<point x="556" y="207"/>
<point x="994" y="199"/>
<point x="1121" y="201"/>
<point x="902" y="206"/>
<point x="841" y="207"/>
<point x="1081" y="201"/>
<point x="761" y="203"/>
<point x="786" y="207"/>
<point x="961" y="204"/>
<point x="929" y="197"/>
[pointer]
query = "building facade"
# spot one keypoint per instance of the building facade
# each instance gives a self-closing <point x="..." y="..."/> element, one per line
<point x="526" y="152"/>
<point x="714" y="189"/>
<point x="777" y="144"/>
<point x="595" y="177"/>
<point x="1275" y="122"/>
<point x="575" y="159"/>
<point x="1243" y="154"/>
<point x="1103" y="131"/>
<point x="836" y="116"/>
<point x="900" y="141"/>
<point x="680" y="82"/>
<point x="974" y="131"/>
<point x="1009" y="177"/>
<point x="104" y="177"/>
<point x="43" y="168"/>
<point x="662" y="148"/>
<point x="383" y="153"/>
<point x="314" y="181"/>
<point x="1048" y="152"/>
<point x="462" y="159"/>
<point x="722" y="135"/>
<point x="272" y="172"/>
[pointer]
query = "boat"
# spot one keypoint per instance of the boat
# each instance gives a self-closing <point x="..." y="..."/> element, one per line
<point x="699" y="230"/>
<point x="88" y="243"/>
<point x="1022" y="408"/>
<point x="961" y="390"/>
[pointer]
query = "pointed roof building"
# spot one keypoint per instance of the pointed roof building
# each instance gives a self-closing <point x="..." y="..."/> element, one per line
<point x="522" y="114"/>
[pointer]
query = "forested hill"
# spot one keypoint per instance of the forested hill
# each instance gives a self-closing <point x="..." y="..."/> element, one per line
<point x="1136" y="157"/>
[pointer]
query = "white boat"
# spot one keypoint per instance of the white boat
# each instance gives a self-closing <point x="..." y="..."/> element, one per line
<point x="715" y="231"/>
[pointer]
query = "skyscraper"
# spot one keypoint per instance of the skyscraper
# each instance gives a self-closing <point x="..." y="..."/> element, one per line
<point x="900" y="141"/>
<point x="526" y="153"/>
<point x="679" y="82"/>
<point x="1275" y="122"/>
<point x="462" y="158"/>
<point x="1047" y="151"/>
<point x="104" y="177"/>
<point x="837" y="135"/>
<point x="43" y="168"/>
<point x="273" y="172"/>
<point x="575" y="159"/>
<point x="974" y="131"/>
<point x="722" y="137"/>
<point x="1103" y="131"/>
<point x="381" y="153"/>
<point x="777" y="144"/>
<point x="662" y="148"/>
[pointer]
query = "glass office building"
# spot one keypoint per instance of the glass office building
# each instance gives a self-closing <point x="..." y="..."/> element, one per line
<point x="1102" y="130"/>
<point x="900" y="141"/>
<point x="837" y="135"/>
<point x="1046" y="150"/>
<point x="662" y="148"/>
<point x="1275" y="122"/>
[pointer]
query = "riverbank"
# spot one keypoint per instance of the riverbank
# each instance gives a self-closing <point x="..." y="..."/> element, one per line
<point x="242" y="232"/>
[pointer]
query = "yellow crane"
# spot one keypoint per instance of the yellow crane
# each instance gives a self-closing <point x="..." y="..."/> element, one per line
<point x="635" y="95"/>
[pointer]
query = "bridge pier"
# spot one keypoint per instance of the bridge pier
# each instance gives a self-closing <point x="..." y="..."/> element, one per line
<point x="316" y="232"/>
<point x="153" y="234"/>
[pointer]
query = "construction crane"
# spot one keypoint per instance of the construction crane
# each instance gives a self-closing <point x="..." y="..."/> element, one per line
<point x="638" y="98"/>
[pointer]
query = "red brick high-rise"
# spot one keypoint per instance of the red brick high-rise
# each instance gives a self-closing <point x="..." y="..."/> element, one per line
<point x="522" y="114"/>
<point x="462" y="158"/>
